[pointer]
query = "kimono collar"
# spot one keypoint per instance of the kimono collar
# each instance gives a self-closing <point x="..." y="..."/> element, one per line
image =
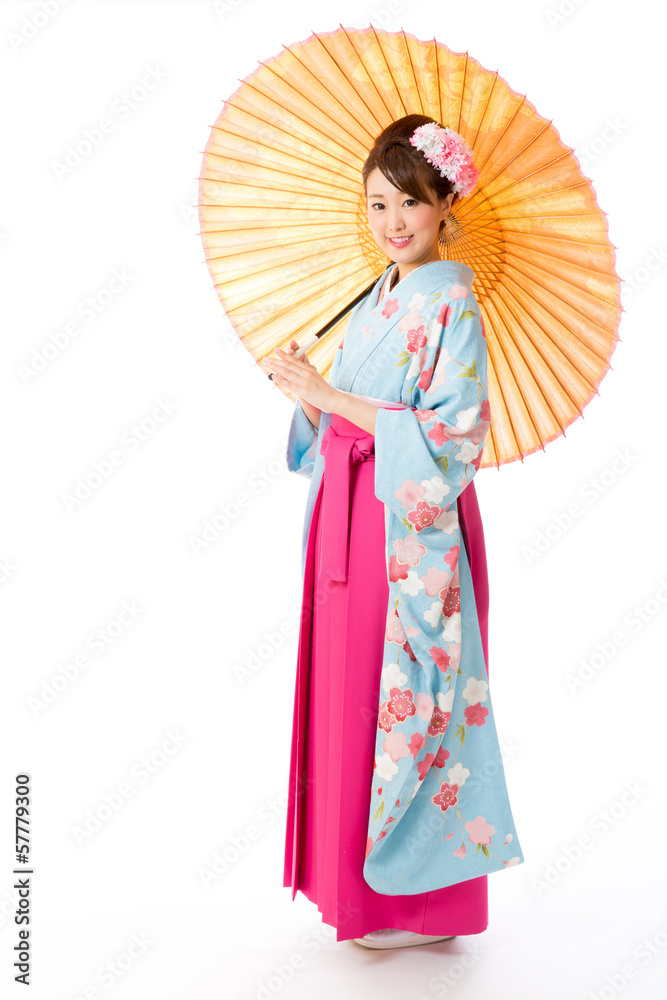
<point x="434" y="274"/>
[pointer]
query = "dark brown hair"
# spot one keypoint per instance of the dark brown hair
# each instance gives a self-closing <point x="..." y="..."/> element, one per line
<point x="405" y="166"/>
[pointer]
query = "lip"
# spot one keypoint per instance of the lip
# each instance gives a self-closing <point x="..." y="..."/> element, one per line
<point x="400" y="245"/>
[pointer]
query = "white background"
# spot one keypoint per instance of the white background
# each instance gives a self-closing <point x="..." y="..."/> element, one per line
<point x="160" y="336"/>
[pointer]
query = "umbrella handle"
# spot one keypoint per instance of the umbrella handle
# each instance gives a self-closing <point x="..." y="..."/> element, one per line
<point x="332" y="322"/>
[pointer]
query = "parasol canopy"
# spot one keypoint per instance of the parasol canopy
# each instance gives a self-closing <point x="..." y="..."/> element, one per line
<point x="283" y="219"/>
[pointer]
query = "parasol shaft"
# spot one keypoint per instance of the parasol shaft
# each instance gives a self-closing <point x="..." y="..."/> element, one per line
<point x="332" y="322"/>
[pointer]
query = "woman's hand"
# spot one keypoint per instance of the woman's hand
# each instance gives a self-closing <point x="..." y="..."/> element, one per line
<point x="299" y="376"/>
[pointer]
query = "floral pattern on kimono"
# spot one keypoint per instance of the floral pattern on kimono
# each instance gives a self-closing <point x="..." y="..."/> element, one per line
<point x="439" y="811"/>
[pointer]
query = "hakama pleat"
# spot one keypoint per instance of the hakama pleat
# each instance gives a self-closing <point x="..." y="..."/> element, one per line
<point x="339" y="664"/>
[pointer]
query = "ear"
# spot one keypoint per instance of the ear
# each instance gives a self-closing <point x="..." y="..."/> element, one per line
<point x="447" y="204"/>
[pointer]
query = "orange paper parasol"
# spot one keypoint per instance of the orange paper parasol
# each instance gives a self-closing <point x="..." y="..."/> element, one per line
<point x="283" y="219"/>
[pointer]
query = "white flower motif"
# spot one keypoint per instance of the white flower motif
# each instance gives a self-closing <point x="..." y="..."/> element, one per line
<point x="465" y="419"/>
<point x="433" y="334"/>
<point x="393" y="676"/>
<point x="475" y="691"/>
<point x="468" y="452"/>
<point x="458" y="774"/>
<point x="448" y="521"/>
<point x="415" y="366"/>
<point x="445" y="699"/>
<point x="432" y="616"/>
<point x="435" y="489"/>
<point x="412" y="584"/>
<point x="452" y="629"/>
<point x="416" y="789"/>
<point x="386" y="769"/>
<point x="417" y="301"/>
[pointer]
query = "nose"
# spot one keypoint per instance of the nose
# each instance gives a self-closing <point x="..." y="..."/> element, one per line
<point x="396" y="225"/>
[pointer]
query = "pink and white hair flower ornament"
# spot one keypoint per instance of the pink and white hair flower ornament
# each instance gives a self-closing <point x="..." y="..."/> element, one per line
<point x="446" y="150"/>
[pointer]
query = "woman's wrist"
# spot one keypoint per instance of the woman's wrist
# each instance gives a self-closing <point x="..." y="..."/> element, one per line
<point x="312" y="412"/>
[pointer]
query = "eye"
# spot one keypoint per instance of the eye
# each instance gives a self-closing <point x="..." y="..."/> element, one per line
<point x="375" y="205"/>
<point x="413" y="200"/>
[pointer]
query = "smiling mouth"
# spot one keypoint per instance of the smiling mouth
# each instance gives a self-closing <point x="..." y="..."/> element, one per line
<point x="399" y="242"/>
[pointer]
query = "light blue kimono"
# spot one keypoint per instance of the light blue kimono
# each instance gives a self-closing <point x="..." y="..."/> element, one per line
<point x="439" y="811"/>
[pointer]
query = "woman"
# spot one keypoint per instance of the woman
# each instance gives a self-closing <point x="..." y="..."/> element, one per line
<point x="398" y="806"/>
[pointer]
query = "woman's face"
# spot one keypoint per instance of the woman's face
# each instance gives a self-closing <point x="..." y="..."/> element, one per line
<point x="406" y="229"/>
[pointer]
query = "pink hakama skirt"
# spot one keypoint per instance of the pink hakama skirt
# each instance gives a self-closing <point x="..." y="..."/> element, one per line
<point x="339" y="663"/>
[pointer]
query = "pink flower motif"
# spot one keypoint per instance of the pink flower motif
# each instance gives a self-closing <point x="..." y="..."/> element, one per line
<point x="451" y="601"/>
<point x="394" y="631"/>
<point x="423" y="416"/>
<point x="396" y="746"/>
<point x="475" y="715"/>
<point x="407" y="648"/>
<point x="409" y="493"/>
<point x="458" y="292"/>
<point x="485" y="410"/>
<point x="439" y="722"/>
<point x="424" y="515"/>
<point x="397" y="570"/>
<point x="441" y="757"/>
<point x="390" y="307"/>
<point x="408" y="550"/>
<point x="479" y="831"/>
<point x="385" y="719"/>
<point x="410" y="321"/>
<point x="454" y="656"/>
<point x="426" y="377"/>
<point x="369" y="844"/>
<point x="444" y="314"/>
<point x="424" y="706"/>
<point x="446" y="797"/>
<point x="401" y="704"/>
<point x="440" y="657"/>
<point x="416" y="339"/>
<point x="460" y="852"/>
<point x="452" y="556"/>
<point x="364" y="331"/>
<point x="417" y="741"/>
<point x="435" y="580"/>
<point x="439" y="434"/>
<point x="424" y="766"/>
<point x="483" y="330"/>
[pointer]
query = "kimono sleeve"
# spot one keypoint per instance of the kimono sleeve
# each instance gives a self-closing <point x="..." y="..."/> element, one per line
<point x="427" y="454"/>
<point x="301" y="443"/>
<point x="302" y="437"/>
